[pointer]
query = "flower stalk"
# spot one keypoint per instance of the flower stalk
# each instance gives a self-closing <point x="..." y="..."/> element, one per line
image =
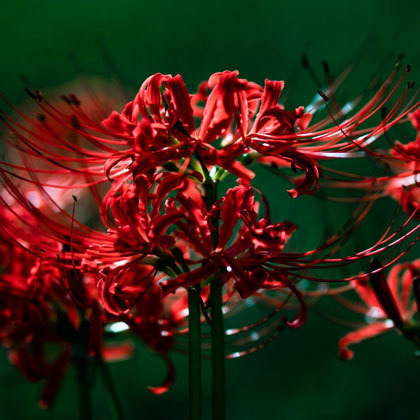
<point x="118" y="413"/>
<point x="194" y="352"/>
<point x="217" y="349"/>
<point x="83" y="368"/>
<point x="84" y="389"/>
<point x="217" y="325"/>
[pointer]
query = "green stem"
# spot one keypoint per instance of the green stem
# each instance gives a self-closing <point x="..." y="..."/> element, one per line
<point x="217" y="326"/>
<point x="194" y="352"/>
<point x="84" y="386"/>
<point x="210" y="189"/>
<point x="217" y="349"/>
<point x="216" y="303"/>
<point x="109" y="383"/>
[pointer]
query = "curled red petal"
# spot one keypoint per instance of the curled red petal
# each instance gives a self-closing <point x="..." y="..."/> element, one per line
<point x="181" y="101"/>
<point x="120" y="123"/>
<point x="32" y="368"/>
<point x="383" y="292"/>
<point x="169" y="380"/>
<point x="270" y="97"/>
<point x="220" y="106"/>
<point x="309" y="184"/>
<point x="303" y="313"/>
<point x="357" y="336"/>
<point x="55" y="376"/>
<point x="230" y="213"/>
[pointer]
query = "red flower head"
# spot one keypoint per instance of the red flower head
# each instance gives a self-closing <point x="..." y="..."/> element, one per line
<point x="405" y="162"/>
<point x="240" y="122"/>
<point x="401" y="161"/>
<point x="387" y="303"/>
<point x="165" y="227"/>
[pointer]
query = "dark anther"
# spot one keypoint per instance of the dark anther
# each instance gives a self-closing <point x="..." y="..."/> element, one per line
<point x="74" y="198"/>
<point x="323" y="95"/>
<point x="408" y="68"/>
<point x="41" y="117"/>
<point x="384" y="112"/>
<point x="293" y="167"/>
<point x="32" y="94"/>
<point x="305" y="61"/>
<point x="38" y="95"/>
<point x="74" y="100"/>
<point x="65" y="99"/>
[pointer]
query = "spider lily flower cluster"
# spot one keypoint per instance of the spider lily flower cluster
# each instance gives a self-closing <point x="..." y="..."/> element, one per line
<point x="387" y="304"/>
<point x="123" y="220"/>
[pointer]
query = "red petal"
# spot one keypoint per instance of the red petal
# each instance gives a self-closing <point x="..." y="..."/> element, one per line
<point x="230" y="213"/>
<point x="118" y="351"/>
<point x="169" y="380"/>
<point x="118" y="124"/>
<point x="357" y="336"/>
<point x="303" y="313"/>
<point x="55" y="376"/>
<point x="181" y="102"/>
<point x="270" y="96"/>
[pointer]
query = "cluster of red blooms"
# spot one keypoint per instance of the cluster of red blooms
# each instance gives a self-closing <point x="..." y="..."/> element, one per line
<point x="152" y="218"/>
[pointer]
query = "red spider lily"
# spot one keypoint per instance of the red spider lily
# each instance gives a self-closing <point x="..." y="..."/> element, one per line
<point x="144" y="231"/>
<point x="387" y="303"/>
<point x="26" y="298"/>
<point x="130" y="294"/>
<point x="167" y="229"/>
<point x="57" y="272"/>
<point x="42" y="291"/>
<point x="165" y="212"/>
<point x="158" y="127"/>
<point x="155" y="320"/>
<point x="153" y="218"/>
<point x="402" y="161"/>
<point x="404" y="186"/>
<point x="58" y="280"/>
<point x="41" y="308"/>
<point x="33" y="295"/>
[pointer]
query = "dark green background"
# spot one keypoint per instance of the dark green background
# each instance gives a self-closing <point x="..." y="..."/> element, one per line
<point x="298" y="377"/>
